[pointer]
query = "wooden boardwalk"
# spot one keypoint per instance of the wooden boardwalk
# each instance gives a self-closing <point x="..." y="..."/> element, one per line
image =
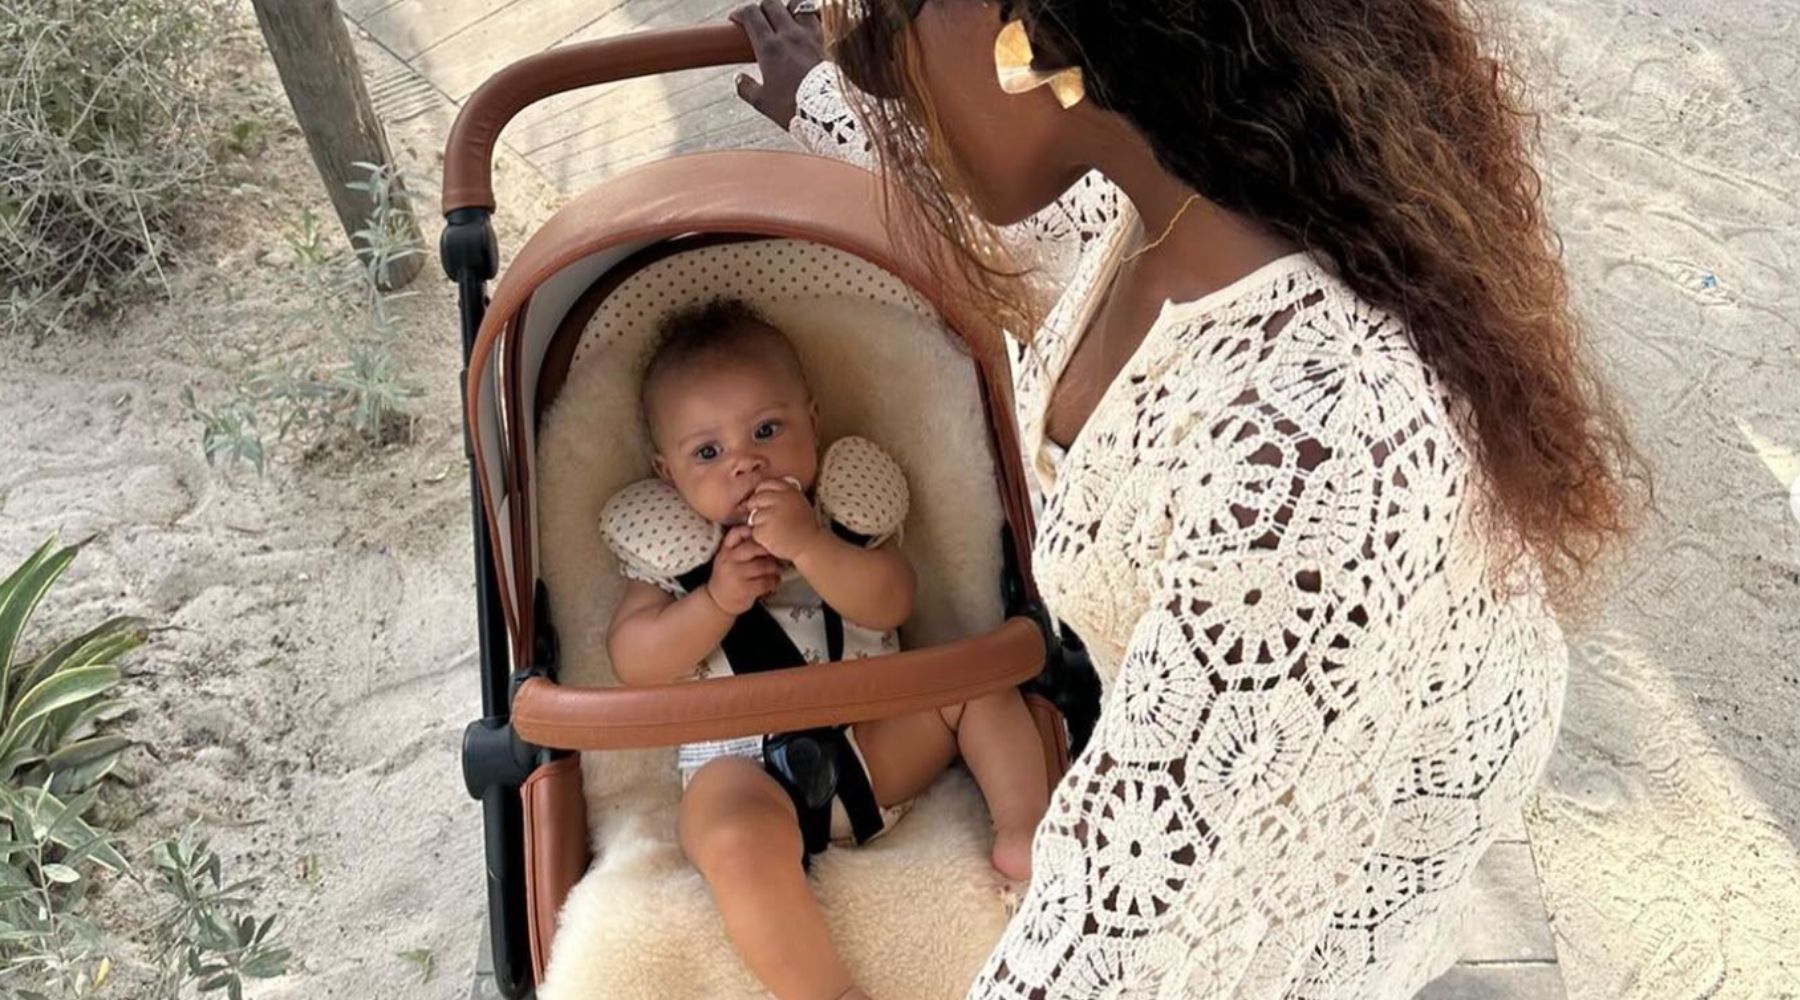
<point x="574" y="140"/>
<point x="446" y="48"/>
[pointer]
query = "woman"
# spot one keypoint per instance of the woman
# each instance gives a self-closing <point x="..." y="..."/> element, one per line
<point x="1316" y="452"/>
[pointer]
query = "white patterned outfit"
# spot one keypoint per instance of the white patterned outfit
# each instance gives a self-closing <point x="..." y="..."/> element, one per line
<point x="1318" y="704"/>
<point x="658" y="538"/>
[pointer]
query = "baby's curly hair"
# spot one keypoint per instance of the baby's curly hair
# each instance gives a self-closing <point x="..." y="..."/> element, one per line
<point x="720" y="331"/>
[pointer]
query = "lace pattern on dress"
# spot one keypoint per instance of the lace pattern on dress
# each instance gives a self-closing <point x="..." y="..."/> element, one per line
<point x="1318" y="706"/>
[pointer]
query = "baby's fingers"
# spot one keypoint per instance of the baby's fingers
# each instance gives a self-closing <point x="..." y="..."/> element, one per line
<point x="762" y="566"/>
<point x="748" y="550"/>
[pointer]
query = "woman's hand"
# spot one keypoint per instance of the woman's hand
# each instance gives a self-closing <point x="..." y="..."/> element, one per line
<point x="787" y="47"/>
<point x="782" y="521"/>
<point x="743" y="573"/>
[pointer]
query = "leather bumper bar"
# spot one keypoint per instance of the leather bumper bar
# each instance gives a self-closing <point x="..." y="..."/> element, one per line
<point x="546" y="714"/>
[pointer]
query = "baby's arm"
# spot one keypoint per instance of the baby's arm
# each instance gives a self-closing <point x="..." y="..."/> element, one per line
<point x="658" y="639"/>
<point x="869" y="587"/>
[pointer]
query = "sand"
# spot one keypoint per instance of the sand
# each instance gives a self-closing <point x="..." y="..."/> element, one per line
<point x="306" y="699"/>
<point x="1665" y="835"/>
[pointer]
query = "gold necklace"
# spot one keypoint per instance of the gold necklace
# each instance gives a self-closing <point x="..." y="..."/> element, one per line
<point x="1166" y="232"/>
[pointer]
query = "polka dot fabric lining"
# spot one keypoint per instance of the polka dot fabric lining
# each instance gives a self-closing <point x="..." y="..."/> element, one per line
<point x="755" y="271"/>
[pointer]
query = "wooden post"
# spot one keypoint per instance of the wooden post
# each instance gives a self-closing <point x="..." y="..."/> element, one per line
<point x="318" y="69"/>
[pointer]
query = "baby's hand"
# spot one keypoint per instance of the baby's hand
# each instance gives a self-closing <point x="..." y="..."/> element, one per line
<point x="781" y="520"/>
<point x="743" y="573"/>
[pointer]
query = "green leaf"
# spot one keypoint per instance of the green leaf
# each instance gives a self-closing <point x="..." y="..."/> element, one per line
<point x="61" y="873"/>
<point x="101" y="644"/>
<point x="74" y="832"/>
<point x="83" y="752"/>
<point x="19" y="596"/>
<point x="71" y="811"/>
<point x="90" y="715"/>
<point x="67" y="688"/>
<point x="422" y="958"/>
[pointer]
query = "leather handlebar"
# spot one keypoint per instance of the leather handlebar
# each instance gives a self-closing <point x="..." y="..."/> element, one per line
<point x="547" y="714"/>
<point x="469" y="154"/>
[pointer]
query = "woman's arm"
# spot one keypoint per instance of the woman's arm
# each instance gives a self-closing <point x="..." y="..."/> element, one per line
<point x="1232" y="787"/>
<point x="825" y="123"/>
<point x="1250" y="746"/>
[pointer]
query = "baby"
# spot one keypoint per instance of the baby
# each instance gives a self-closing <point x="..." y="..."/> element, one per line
<point x="734" y="431"/>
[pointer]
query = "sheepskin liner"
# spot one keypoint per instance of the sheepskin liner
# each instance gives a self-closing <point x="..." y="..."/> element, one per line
<point x="916" y="912"/>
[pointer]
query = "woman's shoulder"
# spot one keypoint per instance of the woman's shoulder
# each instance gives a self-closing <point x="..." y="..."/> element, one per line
<point x="1292" y="338"/>
<point x="1286" y="408"/>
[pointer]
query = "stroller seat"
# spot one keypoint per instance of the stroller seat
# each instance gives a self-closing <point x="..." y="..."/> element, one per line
<point x="589" y="892"/>
<point x="916" y="912"/>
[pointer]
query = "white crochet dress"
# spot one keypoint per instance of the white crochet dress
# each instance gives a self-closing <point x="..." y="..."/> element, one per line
<point x="1317" y="706"/>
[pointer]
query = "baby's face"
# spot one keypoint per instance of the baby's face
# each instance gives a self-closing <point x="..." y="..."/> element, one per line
<point x="721" y="429"/>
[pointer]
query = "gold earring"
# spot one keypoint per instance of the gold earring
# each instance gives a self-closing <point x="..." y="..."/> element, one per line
<point x="1012" y="59"/>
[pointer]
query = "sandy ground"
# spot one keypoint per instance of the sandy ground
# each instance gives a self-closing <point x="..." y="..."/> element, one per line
<point x="306" y="701"/>
<point x="1666" y="834"/>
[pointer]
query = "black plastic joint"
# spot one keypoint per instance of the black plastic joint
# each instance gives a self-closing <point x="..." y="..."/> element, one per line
<point x="493" y="756"/>
<point x="468" y="248"/>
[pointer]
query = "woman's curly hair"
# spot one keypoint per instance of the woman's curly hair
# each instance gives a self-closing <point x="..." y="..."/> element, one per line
<point x="1377" y="134"/>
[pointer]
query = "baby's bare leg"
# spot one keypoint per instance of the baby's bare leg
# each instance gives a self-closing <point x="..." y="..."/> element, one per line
<point x="739" y="828"/>
<point x="996" y="737"/>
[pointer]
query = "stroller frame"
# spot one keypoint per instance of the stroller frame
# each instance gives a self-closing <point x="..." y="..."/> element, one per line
<point x="529" y="726"/>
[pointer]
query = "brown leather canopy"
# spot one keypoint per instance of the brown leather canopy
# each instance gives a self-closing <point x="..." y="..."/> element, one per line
<point x="759" y="193"/>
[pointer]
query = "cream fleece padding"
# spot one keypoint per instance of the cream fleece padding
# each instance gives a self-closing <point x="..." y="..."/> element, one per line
<point x="916" y="912"/>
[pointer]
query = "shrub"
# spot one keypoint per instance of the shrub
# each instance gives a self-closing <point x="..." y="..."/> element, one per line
<point x="100" y="149"/>
<point x="358" y="392"/>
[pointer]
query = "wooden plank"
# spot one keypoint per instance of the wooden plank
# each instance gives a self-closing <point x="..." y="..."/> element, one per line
<point x="461" y="62"/>
<point x="635" y="115"/>
<point x="575" y="176"/>
<point x="564" y="113"/>
<point x="1523" y="981"/>
<point x="640" y="101"/>
<point x="324" y="83"/>
<point x="1509" y="923"/>
<point x="1512" y="828"/>
<point x="409" y="27"/>
<point x="356" y="10"/>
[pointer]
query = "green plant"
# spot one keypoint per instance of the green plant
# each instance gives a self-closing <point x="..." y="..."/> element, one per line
<point x="50" y="946"/>
<point x="51" y="706"/>
<point x="53" y="757"/>
<point x="361" y="389"/>
<point x="421" y="959"/>
<point x="205" y="936"/>
<point x="102" y="147"/>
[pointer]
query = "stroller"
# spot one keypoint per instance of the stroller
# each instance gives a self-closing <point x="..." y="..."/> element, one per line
<point x="588" y="894"/>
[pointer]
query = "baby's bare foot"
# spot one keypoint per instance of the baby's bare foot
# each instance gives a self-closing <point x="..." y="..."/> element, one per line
<point x="1012" y="854"/>
<point x="853" y="993"/>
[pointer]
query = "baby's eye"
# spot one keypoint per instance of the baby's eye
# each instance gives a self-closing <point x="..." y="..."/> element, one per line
<point x="706" y="452"/>
<point x="767" y="429"/>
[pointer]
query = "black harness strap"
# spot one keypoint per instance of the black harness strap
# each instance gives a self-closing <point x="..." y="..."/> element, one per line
<point x="812" y="765"/>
